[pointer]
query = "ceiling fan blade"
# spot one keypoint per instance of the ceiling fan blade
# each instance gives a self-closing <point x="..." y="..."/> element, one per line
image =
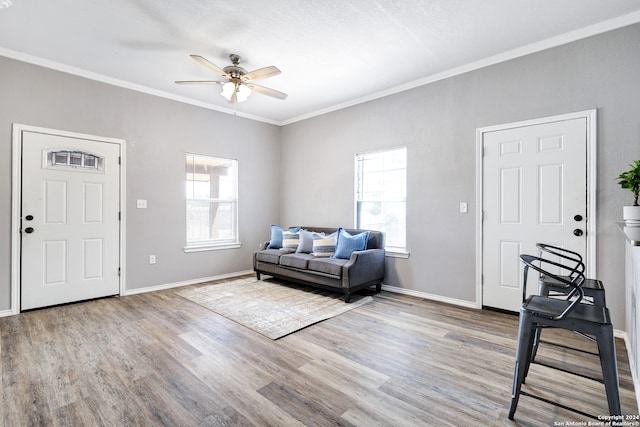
<point x="261" y="73"/>
<point x="210" y="65"/>
<point x="266" y="91"/>
<point x="199" y="82"/>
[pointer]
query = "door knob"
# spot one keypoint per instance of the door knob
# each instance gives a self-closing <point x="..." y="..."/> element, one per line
<point x="578" y="218"/>
<point x="29" y="217"/>
<point x="577" y="232"/>
<point x="28" y="230"/>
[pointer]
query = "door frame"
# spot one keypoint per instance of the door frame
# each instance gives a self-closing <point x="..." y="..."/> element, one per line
<point x="16" y="203"/>
<point x="591" y="134"/>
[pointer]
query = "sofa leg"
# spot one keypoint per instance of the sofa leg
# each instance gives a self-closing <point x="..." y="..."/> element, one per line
<point x="258" y="275"/>
<point x="347" y="297"/>
<point x="378" y="288"/>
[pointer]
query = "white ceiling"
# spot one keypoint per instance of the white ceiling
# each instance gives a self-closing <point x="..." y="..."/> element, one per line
<point x="332" y="53"/>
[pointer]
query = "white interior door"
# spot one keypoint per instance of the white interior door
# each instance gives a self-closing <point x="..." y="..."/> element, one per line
<point x="70" y="224"/>
<point x="534" y="190"/>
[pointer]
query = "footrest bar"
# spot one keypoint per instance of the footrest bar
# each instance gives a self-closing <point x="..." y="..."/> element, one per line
<point x="568" y="347"/>
<point x="559" y="405"/>
<point x="568" y="371"/>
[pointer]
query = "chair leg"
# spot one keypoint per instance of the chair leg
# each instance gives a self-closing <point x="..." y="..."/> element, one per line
<point x="609" y="364"/>
<point x="523" y="359"/>
<point x="536" y="330"/>
<point x="536" y="343"/>
<point x="543" y="290"/>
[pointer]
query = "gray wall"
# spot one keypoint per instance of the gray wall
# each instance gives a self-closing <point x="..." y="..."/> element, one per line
<point x="158" y="132"/>
<point x="437" y="122"/>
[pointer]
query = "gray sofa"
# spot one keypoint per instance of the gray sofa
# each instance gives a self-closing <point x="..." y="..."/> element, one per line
<point x="364" y="268"/>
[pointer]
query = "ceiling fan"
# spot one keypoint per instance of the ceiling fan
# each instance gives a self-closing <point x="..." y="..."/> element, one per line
<point x="239" y="83"/>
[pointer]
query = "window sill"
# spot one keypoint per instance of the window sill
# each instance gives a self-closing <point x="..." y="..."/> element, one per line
<point x="396" y="254"/>
<point x="203" y="248"/>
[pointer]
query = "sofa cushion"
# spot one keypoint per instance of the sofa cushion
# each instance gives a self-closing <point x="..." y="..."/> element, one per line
<point x="272" y="256"/>
<point x="347" y="244"/>
<point x="327" y="265"/>
<point x="295" y="260"/>
<point x="324" y="246"/>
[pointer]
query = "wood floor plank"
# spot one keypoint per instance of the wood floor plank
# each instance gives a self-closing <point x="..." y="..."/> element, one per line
<point x="159" y="359"/>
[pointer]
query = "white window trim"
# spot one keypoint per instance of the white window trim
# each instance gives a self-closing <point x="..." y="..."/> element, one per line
<point x="211" y="247"/>
<point x="397" y="254"/>
<point x="390" y="253"/>
<point x="219" y="244"/>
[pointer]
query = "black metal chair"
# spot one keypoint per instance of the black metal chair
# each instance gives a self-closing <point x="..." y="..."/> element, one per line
<point x="548" y="286"/>
<point x="539" y="311"/>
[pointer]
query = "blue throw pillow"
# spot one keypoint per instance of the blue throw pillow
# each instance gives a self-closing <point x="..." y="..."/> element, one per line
<point x="348" y="243"/>
<point x="276" y="236"/>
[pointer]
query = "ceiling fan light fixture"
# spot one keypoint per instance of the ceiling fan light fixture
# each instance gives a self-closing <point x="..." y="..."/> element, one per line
<point x="242" y="92"/>
<point x="227" y="90"/>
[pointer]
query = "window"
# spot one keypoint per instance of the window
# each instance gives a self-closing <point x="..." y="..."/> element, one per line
<point x="381" y="195"/>
<point x="212" y="202"/>
<point x="74" y="160"/>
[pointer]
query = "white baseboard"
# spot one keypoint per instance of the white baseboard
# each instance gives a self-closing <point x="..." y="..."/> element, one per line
<point x="184" y="283"/>
<point x="5" y="313"/>
<point x="424" y="295"/>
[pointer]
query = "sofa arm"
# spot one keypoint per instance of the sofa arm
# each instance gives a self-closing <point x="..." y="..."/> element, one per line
<point x="363" y="267"/>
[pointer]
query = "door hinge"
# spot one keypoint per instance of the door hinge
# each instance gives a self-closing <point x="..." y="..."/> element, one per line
<point x="119" y="160"/>
<point x="119" y="216"/>
<point x="118" y="271"/>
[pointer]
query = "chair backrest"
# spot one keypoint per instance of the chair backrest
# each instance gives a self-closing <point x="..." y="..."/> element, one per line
<point x="566" y="254"/>
<point x="542" y="265"/>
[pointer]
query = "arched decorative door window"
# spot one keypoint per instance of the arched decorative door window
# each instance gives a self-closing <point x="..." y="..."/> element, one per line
<point x="73" y="159"/>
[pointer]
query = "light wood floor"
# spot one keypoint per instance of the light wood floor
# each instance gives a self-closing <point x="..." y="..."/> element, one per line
<point x="158" y="359"/>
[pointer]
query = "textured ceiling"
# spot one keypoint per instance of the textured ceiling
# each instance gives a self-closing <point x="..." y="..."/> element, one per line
<point x="332" y="53"/>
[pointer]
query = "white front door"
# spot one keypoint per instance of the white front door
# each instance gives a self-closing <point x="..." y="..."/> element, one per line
<point x="70" y="228"/>
<point x="534" y="190"/>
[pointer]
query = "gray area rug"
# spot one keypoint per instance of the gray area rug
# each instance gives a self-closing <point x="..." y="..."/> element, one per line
<point x="269" y="308"/>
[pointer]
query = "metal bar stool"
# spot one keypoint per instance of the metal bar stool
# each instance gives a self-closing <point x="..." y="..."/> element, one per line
<point x="593" y="288"/>
<point x="548" y="286"/>
<point x="566" y="313"/>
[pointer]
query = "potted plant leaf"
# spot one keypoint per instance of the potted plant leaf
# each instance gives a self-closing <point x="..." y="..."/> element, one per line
<point x="630" y="180"/>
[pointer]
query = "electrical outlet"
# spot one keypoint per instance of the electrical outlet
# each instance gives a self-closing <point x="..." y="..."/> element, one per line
<point x="141" y="204"/>
<point x="152" y="259"/>
<point x="463" y="207"/>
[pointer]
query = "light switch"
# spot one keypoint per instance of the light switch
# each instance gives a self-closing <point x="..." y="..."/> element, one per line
<point x="463" y="207"/>
<point x="141" y="204"/>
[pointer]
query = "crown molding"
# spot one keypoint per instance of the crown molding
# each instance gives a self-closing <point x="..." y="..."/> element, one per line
<point x="57" y="66"/>
<point x="582" y="33"/>
<point x="601" y="27"/>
